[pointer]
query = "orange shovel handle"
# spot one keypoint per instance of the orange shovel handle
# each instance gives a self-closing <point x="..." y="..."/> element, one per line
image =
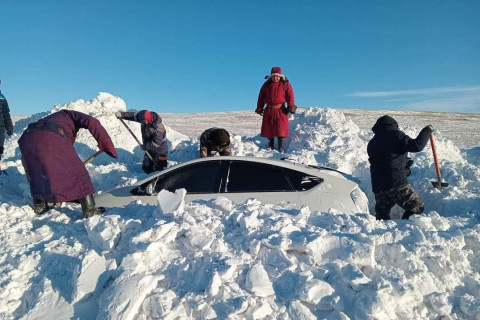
<point x="435" y="158"/>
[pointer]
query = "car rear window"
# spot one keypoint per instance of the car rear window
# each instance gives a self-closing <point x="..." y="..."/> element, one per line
<point x="302" y="181"/>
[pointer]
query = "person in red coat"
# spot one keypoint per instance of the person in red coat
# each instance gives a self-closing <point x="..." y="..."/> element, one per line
<point x="275" y="92"/>
<point x="54" y="170"/>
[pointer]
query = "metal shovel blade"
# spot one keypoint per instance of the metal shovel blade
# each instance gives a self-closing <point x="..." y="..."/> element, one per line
<point x="439" y="184"/>
<point x="436" y="184"/>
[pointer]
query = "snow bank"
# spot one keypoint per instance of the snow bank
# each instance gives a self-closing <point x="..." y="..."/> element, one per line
<point x="215" y="259"/>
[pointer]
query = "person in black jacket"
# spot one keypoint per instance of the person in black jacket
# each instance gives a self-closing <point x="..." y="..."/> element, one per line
<point x="390" y="165"/>
<point x="215" y="139"/>
<point x="6" y="124"/>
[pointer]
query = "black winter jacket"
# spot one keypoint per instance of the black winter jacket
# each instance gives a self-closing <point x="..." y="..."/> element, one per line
<point x="388" y="151"/>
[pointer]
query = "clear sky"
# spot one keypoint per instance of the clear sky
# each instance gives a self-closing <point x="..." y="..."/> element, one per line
<point x="193" y="56"/>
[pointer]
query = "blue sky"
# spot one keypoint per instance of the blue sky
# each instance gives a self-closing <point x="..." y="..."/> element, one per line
<point x="193" y="56"/>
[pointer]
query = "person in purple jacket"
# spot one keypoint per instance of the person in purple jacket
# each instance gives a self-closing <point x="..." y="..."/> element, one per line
<point x="54" y="170"/>
<point x="154" y="138"/>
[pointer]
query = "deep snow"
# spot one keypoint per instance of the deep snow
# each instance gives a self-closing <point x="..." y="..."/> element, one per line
<point x="215" y="259"/>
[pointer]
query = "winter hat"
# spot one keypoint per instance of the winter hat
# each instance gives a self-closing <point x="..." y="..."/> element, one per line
<point x="385" y="123"/>
<point x="145" y="116"/>
<point x="221" y="137"/>
<point x="276" y="71"/>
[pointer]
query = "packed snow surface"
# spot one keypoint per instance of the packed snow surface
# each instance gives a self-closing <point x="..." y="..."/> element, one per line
<point x="216" y="259"/>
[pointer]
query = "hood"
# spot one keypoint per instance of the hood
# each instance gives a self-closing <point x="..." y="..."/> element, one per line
<point x="385" y="123"/>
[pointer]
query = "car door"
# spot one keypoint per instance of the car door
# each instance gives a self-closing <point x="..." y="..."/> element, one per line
<point x="265" y="182"/>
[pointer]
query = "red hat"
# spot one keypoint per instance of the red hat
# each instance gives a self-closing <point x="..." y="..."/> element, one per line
<point x="276" y="71"/>
<point x="145" y="116"/>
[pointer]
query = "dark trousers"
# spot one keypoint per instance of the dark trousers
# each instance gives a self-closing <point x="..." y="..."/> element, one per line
<point x="404" y="196"/>
<point x="281" y="143"/>
<point x="148" y="166"/>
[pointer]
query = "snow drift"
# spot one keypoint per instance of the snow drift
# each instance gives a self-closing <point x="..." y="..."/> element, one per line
<point x="214" y="259"/>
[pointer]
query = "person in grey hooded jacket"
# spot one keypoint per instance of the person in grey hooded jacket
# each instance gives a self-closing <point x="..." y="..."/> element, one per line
<point x="6" y="124"/>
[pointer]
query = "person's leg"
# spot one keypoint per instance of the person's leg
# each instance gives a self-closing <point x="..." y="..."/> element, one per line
<point x="88" y="206"/>
<point x="383" y="205"/>
<point x="409" y="200"/>
<point x="160" y="165"/>
<point x="39" y="206"/>
<point x="1" y="155"/>
<point x="281" y="144"/>
<point x="147" y="165"/>
<point x="271" y="143"/>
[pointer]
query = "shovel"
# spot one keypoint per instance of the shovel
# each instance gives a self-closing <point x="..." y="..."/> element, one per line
<point x="436" y="184"/>
<point x="96" y="154"/>
<point x="138" y="141"/>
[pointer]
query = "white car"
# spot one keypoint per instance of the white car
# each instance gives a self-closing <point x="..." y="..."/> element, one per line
<point x="281" y="182"/>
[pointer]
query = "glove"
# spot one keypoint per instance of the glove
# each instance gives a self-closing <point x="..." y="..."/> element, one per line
<point x="118" y="114"/>
<point x="292" y="109"/>
<point x="409" y="162"/>
<point x="9" y="131"/>
<point x="259" y="111"/>
<point x="106" y="145"/>
<point x="408" y="172"/>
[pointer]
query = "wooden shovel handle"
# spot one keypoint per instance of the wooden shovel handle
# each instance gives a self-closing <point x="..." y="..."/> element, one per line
<point x="435" y="158"/>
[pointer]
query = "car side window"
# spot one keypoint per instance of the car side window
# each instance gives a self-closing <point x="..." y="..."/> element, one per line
<point x="302" y="181"/>
<point x="245" y="176"/>
<point x="203" y="177"/>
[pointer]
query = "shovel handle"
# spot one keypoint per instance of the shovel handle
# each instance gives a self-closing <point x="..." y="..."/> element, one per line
<point x="138" y="141"/>
<point x="435" y="158"/>
<point x="92" y="157"/>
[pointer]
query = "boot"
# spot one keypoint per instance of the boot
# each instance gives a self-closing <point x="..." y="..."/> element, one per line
<point x="88" y="207"/>
<point x="39" y="206"/>
<point x="281" y="144"/>
<point x="271" y="144"/>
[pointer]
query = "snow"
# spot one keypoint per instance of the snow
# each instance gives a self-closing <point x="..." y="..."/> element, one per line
<point x="216" y="259"/>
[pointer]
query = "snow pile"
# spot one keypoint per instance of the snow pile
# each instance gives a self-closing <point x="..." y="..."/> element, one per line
<point x="215" y="259"/>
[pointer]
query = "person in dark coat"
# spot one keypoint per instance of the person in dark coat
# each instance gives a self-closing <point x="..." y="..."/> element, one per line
<point x="6" y="124"/>
<point x="215" y="139"/>
<point x="154" y="138"/>
<point x="274" y="93"/>
<point x="390" y="165"/>
<point x="54" y="170"/>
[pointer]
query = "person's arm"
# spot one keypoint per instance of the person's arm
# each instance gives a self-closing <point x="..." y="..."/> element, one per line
<point x="289" y="95"/>
<point x="7" y="120"/>
<point x="225" y="151"/>
<point x="261" y="101"/>
<point x="419" y="143"/>
<point x="130" y="116"/>
<point x="85" y="121"/>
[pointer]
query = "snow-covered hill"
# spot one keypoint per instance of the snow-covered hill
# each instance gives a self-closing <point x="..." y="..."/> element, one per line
<point x="216" y="259"/>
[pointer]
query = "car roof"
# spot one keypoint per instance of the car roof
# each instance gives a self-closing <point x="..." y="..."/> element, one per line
<point x="285" y="163"/>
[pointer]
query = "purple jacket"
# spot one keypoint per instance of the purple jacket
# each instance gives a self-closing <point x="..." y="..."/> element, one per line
<point x="154" y="135"/>
<point x="53" y="168"/>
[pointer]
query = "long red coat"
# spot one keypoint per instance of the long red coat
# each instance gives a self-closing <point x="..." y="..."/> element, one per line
<point x="275" y="121"/>
<point x="55" y="172"/>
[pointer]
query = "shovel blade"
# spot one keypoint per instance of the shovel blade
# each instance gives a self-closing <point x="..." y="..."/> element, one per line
<point x="439" y="184"/>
